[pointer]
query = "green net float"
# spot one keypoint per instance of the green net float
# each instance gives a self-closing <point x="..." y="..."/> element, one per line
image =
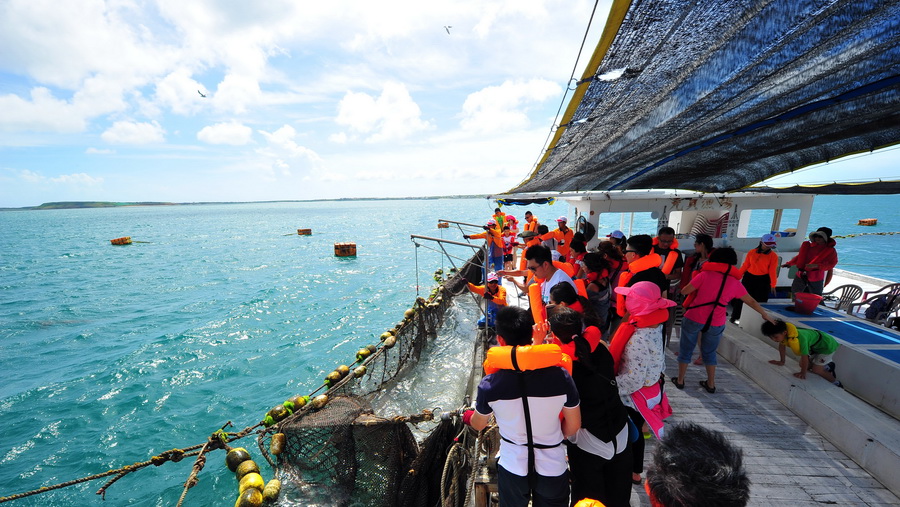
<point x="268" y="421"/>
<point x="271" y="491"/>
<point x="250" y="498"/>
<point x="344" y="370"/>
<point x="251" y="481"/>
<point x="277" y="445"/>
<point x="319" y="401"/>
<point x="298" y="401"/>
<point x="235" y="457"/>
<point x="359" y="371"/>
<point x="247" y="467"/>
<point x="278" y="412"/>
<point x="362" y="354"/>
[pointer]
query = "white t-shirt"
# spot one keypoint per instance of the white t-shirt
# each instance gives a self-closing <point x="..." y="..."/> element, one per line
<point x="559" y="277"/>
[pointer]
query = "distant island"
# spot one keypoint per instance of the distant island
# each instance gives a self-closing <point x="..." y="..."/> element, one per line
<point x="107" y="204"/>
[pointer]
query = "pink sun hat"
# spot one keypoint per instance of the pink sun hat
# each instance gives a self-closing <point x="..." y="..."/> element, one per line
<point x="644" y="298"/>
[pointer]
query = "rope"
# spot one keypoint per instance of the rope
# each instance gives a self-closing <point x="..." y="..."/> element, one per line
<point x="174" y="455"/>
<point x="449" y="500"/>
<point x="868" y="234"/>
<point x="562" y="101"/>
<point x="215" y="441"/>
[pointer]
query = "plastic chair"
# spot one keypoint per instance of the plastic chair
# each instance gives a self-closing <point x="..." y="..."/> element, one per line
<point x="892" y="292"/>
<point x="844" y="295"/>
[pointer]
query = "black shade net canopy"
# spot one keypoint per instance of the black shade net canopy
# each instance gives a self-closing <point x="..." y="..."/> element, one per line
<point x="716" y="95"/>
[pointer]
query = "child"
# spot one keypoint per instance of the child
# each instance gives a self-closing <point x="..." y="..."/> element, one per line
<point x="509" y="245"/>
<point x="600" y="459"/>
<point x="814" y="348"/>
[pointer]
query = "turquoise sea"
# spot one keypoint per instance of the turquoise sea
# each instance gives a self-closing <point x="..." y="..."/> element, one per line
<point x="110" y="354"/>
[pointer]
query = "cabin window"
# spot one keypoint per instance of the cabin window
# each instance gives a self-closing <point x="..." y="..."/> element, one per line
<point x="756" y="222"/>
<point x="629" y="223"/>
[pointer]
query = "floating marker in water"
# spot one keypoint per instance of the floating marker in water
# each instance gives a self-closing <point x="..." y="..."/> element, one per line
<point x="345" y="249"/>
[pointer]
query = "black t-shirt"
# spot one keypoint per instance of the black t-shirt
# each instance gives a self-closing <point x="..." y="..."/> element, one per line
<point x="664" y="252"/>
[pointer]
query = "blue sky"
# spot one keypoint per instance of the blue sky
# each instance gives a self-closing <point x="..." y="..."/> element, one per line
<point x="99" y="99"/>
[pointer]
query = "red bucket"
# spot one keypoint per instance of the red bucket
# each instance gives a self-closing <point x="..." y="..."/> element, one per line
<point x="805" y="303"/>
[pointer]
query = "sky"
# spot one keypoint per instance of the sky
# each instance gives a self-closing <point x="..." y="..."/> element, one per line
<point x="229" y="100"/>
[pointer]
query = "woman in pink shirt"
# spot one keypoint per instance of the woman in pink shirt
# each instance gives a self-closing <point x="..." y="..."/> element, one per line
<point x="709" y="293"/>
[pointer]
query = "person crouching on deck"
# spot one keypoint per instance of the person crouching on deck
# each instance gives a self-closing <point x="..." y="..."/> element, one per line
<point x="526" y="406"/>
<point x="815" y="348"/>
<point x="495" y="296"/>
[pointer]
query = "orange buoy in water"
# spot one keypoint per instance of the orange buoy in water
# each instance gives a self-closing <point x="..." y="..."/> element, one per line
<point x="304" y="232"/>
<point x="345" y="249"/>
<point x="868" y="221"/>
<point x="125" y="240"/>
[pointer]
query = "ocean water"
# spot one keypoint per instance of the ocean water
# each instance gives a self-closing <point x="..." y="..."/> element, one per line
<point x="109" y="355"/>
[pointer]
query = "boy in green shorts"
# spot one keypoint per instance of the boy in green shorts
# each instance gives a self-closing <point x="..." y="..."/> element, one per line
<point x="814" y="348"/>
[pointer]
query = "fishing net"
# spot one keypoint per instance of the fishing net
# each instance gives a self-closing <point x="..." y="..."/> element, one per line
<point x="344" y="454"/>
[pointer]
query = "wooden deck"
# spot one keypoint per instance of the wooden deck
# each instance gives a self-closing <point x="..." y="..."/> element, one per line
<point x="789" y="463"/>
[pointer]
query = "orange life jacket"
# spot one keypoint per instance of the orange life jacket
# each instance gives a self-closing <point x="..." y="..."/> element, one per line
<point x="526" y="357"/>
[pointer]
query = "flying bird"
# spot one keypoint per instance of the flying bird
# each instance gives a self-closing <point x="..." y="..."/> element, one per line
<point x="446" y="27"/>
<point x="201" y="94"/>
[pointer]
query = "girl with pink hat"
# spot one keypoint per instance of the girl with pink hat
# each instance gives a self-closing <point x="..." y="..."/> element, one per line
<point x="639" y="362"/>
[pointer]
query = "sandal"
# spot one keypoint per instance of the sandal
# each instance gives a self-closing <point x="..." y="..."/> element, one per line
<point x="705" y="385"/>
<point x="679" y="386"/>
<point x="698" y="361"/>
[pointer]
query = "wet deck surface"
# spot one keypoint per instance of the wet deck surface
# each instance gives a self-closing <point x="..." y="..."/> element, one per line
<point x="789" y="463"/>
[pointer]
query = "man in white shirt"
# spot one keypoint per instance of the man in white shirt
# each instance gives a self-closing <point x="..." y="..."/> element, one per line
<point x="539" y="260"/>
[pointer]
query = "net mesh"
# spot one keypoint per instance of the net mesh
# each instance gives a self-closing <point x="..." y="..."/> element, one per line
<point x="344" y="454"/>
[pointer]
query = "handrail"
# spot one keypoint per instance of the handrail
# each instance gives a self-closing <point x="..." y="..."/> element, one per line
<point x="482" y="305"/>
<point x="449" y="242"/>
<point x="460" y="223"/>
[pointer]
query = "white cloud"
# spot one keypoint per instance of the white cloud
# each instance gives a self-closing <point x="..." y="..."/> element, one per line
<point x="178" y="92"/>
<point x="43" y="113"/>
<point x="233" y="133"/>
<point x="75" y="179"/>
<point x="236" y="93"/>
<point x="127" y="132"/>
<point x="505" y="107"/>
<point x="282" y="154"/>
<point x="339" y="138"/>
<point x="98" y="151"/>
<point x="392" y="116"/>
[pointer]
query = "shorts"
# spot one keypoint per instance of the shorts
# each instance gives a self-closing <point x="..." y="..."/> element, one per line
<point x="821" y="359"/>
